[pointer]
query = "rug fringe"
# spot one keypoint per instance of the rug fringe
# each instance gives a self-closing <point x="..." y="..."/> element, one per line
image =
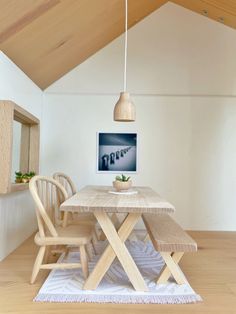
<point x="141" y="299"/>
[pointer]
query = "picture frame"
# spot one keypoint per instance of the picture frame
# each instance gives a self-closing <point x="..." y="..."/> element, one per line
<point x="117" y="152"/>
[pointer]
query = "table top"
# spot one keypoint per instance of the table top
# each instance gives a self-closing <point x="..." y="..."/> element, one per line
<point x="92" y="198"/>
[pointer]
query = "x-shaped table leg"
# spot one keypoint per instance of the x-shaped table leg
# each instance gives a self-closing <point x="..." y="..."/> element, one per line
<point x="115" y="248"/>
<point x="115" y="222"/>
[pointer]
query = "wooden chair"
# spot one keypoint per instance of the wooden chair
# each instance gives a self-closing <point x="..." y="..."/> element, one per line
<point x="68" y="184"/>
<point x="171" y="241"/>
<point x="48" y="195"/>
<point x="81" y="218"/>
<point x="76" y="218"/>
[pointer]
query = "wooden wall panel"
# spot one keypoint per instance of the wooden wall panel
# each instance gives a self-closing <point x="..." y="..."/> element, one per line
<point x="6" y="137"/>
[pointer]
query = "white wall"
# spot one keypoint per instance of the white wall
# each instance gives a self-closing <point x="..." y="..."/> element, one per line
<point x="213" y="164"/>
<point x="187" y="142"/>
<point x="17" y="215"/>
<point x="70" y="142"/>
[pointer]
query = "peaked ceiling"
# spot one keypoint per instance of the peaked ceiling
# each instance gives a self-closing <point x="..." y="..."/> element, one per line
<point x="48" y="38"/>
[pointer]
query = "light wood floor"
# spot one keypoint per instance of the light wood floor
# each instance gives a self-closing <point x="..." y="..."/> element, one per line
<point x="211" y="272"/>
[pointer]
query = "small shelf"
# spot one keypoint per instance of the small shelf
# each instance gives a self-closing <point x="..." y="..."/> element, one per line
<point x="19" y="187"/>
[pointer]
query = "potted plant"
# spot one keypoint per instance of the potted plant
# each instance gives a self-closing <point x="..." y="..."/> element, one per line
<point x="18" y="178"/>
<point x="31" y="174"/>
<point x="24" y="178"/>
<point x="27" y="176"/>
<point x="122" y="182"/>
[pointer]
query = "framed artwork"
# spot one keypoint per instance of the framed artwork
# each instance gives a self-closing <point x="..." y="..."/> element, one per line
<point x="117" y="152"/>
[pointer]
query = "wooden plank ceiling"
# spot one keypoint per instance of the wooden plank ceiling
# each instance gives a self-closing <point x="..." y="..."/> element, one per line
<point x="223" y="11"/>
<point x="48" y="38"/>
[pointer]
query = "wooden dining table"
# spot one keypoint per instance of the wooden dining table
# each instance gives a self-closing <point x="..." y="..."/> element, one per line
<point x="101" y="202"/>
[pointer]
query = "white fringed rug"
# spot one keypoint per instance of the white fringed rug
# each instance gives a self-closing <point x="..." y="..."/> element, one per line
<point x="66" y="285"/>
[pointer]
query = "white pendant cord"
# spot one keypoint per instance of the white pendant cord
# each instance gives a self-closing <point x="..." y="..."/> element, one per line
<point x="126" y="42"/>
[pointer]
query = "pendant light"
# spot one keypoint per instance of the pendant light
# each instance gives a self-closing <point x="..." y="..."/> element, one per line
<point x="124" y="110"/>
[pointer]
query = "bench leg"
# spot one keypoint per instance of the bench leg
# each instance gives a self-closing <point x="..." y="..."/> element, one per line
<point x="172" y="267"/>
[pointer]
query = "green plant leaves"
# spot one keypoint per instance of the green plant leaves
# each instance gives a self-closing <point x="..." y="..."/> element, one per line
<point x="20" y="176"/>
<point x="122" y="178"/>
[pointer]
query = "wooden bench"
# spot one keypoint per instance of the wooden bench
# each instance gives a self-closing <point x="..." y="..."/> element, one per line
<point x="171" y="241"/>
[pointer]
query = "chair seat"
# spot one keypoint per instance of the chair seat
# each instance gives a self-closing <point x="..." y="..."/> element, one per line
<point x="70" y="235"/>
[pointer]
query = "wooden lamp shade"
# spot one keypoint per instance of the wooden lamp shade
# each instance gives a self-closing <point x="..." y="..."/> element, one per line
<point x="124" y="110"/>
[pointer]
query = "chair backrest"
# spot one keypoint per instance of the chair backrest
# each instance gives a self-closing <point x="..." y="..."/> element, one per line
<point x="48" y="195"/>
<point x="66" y="182"/>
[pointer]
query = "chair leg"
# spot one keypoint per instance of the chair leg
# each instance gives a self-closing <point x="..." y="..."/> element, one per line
<point x="47" y="255"/>
<point x="94" y="237"/>
<point x="94" y="247"/>
<point x="84" y="261"/>
<point x="89" y="251"/>
<point x="97" y="233"/>
<point x="37" y="264"/>
<point x="102" y="236"/>
<point x="65" y="219"/>
<point x="57" y="249"/>
<point x="67" y="251"/>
